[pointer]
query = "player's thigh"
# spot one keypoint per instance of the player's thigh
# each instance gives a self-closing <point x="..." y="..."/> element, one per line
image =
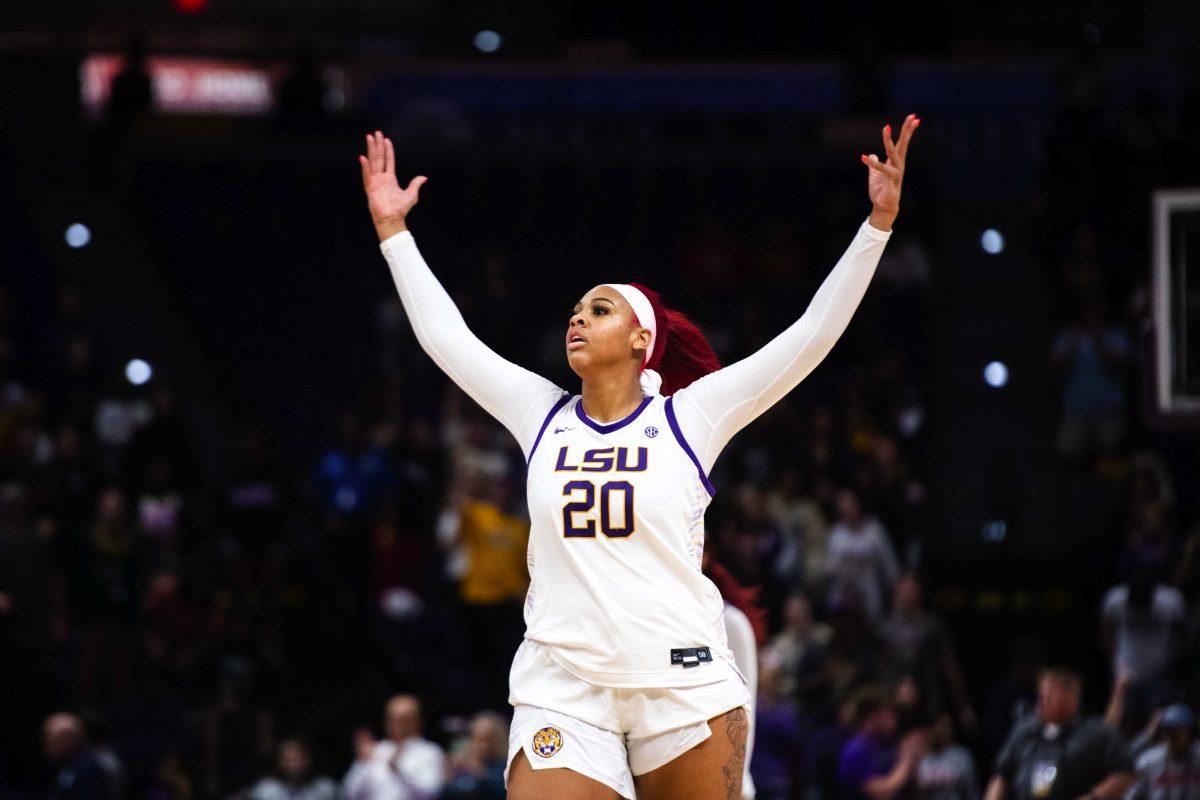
<point x="526" y="783"/>
<point x="712" y="770"/>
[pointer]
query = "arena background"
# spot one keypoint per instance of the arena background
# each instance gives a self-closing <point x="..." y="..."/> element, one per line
<point x="185" y="561"/>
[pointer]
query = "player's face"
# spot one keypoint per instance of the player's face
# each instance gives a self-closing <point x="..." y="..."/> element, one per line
<point x="603" y="330"/>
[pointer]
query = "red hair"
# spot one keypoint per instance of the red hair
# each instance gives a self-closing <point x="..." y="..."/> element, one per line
<point x="743" y="598"/>
<point x="681" y="353"/>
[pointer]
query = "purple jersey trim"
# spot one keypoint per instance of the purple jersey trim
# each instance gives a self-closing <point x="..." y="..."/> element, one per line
<point x="612" y="426"/>
<point x="562" y="401"/>
<point x="687" y="448"/>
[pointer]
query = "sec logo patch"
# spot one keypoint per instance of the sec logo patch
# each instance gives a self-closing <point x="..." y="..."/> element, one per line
<point x="651" y="431"/>
<point x="547" y="742"/>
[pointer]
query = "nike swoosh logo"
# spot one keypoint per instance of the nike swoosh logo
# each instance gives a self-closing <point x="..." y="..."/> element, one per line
<point x="560" y="430"/>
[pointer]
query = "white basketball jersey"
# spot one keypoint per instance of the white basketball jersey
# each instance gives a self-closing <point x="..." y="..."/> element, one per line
<point x="615" y="546"/>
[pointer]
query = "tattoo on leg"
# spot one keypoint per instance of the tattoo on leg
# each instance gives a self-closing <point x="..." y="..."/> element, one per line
<point x="737" y="729"/>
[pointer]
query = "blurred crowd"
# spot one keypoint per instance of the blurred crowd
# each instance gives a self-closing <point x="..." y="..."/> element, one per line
<point x="342" y="628"/>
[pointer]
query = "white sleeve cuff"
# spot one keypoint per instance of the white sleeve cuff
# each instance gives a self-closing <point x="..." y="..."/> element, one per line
<point x="395" y="239"/>
<point x="874" y="232"/>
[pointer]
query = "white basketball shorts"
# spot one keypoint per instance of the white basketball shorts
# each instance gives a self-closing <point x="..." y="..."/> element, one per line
<point x="609" y="734"/>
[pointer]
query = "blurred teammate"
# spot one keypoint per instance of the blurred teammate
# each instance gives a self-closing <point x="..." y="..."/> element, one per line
<point x="625" y="680"/>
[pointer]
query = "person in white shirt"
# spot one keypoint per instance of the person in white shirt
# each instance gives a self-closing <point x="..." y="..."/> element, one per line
<point x="404" y="766"/>
<point x="295" y="780"/>
<point x="625" y="681"/>
<point x="859" y="559"/>
<point x="1143" y="621"/>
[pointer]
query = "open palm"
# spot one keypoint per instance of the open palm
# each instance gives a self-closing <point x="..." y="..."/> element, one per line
<point x="884" y="178"/>
<point x="385" y="199"/>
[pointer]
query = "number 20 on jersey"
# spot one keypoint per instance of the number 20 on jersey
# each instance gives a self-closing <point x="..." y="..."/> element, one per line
<point x="615" y="497"/>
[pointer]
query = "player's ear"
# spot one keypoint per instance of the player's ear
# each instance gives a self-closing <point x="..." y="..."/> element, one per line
<point x="640" y="339"/>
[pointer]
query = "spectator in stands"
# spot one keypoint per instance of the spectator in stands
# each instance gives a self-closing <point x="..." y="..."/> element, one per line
<point x="1150" y="540"/>
<point x="1171" y="770"/>
<point x="1013" y="697"/>
<point x="921" y="646"/>
<point x="804" y="529"/>
<point x="1092" y="356"/>
<point x="491" y="543"/>
<point x="106" y="604"/>
<point x="1142" y="626"/>
<point x="295" y="779"/>
<point x="404" y="766"/>
<point x="872" y="767"/>
<point x="823" y="750"/>
<point x="859" y="558"/>
<point x="1058" y="755"/>
<point x="476" y="770"/>
<point x="777" y="732"/>
<point x="349" y="479"/>
<point x="947" y="772"/>
<point x="800" y="647"/>
<point x="79" y="774"/>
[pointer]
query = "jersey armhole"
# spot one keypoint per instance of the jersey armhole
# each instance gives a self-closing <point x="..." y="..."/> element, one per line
<point x="687" y="448"/>
<point x="562" y="401"/>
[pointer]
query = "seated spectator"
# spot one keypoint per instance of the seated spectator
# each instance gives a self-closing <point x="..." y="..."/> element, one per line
<point x="404" y="766"/>
<point x="79" y="774"/>
<point x="476" y="771"/>
<point x="295" y="780"/>
<point x="871" y="766"/>
<point x="1057" y="755"/>
<point x="1170" y="770"/>
<point x="947" y="772"/>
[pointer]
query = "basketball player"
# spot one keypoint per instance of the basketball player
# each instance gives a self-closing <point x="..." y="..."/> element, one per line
<point x="625" y="682"/>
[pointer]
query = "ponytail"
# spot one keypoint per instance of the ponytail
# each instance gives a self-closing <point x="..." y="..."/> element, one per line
<point x="681" y="353"/>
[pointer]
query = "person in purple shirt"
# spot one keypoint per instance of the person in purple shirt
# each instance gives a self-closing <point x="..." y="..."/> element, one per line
<point x="872" y="767"/>
<point x="778" y="734"/>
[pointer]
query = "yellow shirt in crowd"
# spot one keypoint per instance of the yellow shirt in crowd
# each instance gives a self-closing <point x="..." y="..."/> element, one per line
<point x="495" y="545"/>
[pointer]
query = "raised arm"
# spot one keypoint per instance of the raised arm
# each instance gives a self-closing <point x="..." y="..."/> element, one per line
<point x="715" y="407"/>
<point x="516" y="397"/>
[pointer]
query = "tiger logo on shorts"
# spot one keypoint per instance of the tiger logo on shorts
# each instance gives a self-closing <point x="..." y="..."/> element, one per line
<point x="547" y="742"/>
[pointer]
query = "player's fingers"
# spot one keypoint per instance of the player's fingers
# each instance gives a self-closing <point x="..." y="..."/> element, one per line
<point x="889" y="146"/>
<point x="371" y="152"/>
<point x="906" y="132"/>
<point x="389" y="164"/>
<point x="376" y="152"/>
<point x="874" y="163"/>
<point x="366" y="170"/>
<point x="415" y="185"/>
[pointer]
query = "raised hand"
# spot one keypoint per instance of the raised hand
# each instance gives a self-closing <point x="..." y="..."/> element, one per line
<point x="388" y="203"/>
<point x="885" y="177"/>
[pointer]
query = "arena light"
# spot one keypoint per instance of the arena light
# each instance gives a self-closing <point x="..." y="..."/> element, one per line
<point x="992" y="242"/>
<point x="487" y="41"/>
<point x="78" y="235"/>
<point x="138" y="372"/>
<point x="995" y="374"/>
